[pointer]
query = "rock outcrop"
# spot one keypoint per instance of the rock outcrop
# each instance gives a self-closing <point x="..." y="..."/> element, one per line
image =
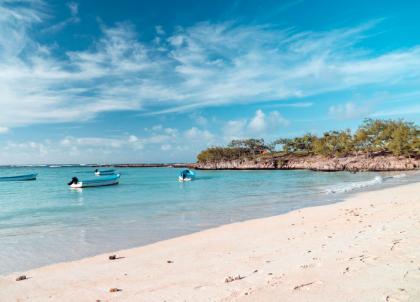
<point x="318" y="163"/>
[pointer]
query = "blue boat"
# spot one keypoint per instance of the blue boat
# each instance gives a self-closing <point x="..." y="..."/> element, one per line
<point x="186" y="175"/>
<point x="95" y="182"/>
<point x="104" y="172"/>
<point x="19" y="177"/>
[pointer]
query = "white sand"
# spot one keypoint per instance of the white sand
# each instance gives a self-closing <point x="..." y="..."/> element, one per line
<point x="366" y="248"/>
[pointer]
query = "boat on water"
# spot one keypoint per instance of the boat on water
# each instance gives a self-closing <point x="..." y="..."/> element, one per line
<point x="101" y="181"/>
<point x="104" y="172"/>
<point x="186" y="175"/>
<point x="19" y="177"/>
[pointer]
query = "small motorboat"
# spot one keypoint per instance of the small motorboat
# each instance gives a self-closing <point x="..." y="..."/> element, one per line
<point x="19" y="177"/>
<point x="104" y="172"/>
<point x="101" y="181"/>
<point x="186" y="175"/>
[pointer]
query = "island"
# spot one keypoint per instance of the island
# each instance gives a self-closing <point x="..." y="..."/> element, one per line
<point x="377" y="145"/>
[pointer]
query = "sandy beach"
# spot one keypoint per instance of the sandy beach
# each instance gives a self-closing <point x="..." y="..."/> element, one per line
<point x="366" y="248"/>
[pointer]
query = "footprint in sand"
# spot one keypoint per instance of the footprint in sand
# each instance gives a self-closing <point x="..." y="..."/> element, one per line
<point x="412" y="274"/>
<point x="307" y="286"/>
<point x="395" y="244"/>
<point x="275" y="281"/>
<point x="398" y="296"/>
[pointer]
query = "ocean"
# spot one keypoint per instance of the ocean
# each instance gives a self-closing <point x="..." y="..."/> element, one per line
<point x="44" y="221"/>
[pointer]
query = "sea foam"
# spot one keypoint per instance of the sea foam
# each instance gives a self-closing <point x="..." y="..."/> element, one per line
<point x="348" y="187"/>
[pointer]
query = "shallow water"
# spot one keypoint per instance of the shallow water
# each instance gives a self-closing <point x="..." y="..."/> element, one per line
<point x="43" y="221"/>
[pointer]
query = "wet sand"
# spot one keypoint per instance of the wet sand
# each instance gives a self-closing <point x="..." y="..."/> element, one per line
<point x="366" y="248"/>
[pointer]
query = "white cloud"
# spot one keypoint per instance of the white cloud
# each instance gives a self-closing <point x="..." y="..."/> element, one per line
<point x="234" y="129"/>
<point x="261" y="122"/>
<point x="398" y="111"/>
<point x="162" y="130"/>
<point x="197" y="134"/>
<point x="194" y="67"/>
<point x="28" y="147"/>
<point x="258" y="123"/>
<point x="74" y="11"/>
<point x="74" y="8"/>
<point x="275" y="119"/>
<point x="171" y="131"/>
<point x="133" y="139"/>
<point x="199" y="119"/>
<point x="157" y="127"/>
<point x="93" y="142"/>
<point x="166" y="147"/>
<point x="294" y="105"/>
<point x="349" y="110"/>
<point x="159" y="30"/>
<point x="177" y="146"/>
<point x="4" y="130"/>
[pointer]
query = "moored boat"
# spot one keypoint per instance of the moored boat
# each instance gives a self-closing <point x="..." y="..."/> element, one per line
<point x="104" y="172"/>
<point x="101" y="181"/>
<point x="19" y="177"/>
<point x="186" y="175"/>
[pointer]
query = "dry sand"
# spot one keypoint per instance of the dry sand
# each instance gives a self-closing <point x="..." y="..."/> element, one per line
<point x="366" y="248"/>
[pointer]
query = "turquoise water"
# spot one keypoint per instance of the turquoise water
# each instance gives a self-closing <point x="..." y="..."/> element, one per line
<point x="44" y="221"/>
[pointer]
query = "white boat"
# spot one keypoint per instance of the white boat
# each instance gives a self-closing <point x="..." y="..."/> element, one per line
<point x="104" y="172"/>
<point x="96" y="182"/>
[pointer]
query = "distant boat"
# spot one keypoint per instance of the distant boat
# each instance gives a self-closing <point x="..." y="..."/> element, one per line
<point x="19" y="177"/>
<point x="104" y="172"/>
<point x="95" y="182"/>
<point x="186" y="175"/>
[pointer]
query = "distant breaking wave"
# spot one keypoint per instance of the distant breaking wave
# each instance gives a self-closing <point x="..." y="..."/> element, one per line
<point x="348" y="187"/>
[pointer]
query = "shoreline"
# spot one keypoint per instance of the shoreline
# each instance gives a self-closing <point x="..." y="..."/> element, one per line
<point x="195" y="266"/>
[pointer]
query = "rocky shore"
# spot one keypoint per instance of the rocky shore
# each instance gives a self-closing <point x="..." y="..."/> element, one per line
<point x="318" y="163"/>
<point x="172" y="165"/>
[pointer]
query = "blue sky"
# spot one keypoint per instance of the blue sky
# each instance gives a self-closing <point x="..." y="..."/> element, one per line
<point x="157" y="81"/>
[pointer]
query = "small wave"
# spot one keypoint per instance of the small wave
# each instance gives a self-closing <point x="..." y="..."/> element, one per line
<point x="396" y="176"/>
<point x="354" y="185"/>
<point x="347" y="187"/>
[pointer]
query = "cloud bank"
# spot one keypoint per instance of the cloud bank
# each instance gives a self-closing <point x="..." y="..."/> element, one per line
<point x="194" y="67"/>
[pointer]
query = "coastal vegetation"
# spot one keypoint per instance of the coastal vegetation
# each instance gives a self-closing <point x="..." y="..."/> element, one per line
<point x="373" y="137"/>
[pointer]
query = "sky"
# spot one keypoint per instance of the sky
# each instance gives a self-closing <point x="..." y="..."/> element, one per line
<point x="101" y="81"/>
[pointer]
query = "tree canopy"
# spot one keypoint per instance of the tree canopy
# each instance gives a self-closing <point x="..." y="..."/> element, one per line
<point x="374" y="136"/>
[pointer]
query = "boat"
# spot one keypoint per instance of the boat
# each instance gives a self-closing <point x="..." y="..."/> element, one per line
<point x="100" y="181"/>
<point x="104" y="172"/>
<point x="19" y="177"/>
<point x="186" y="175"/>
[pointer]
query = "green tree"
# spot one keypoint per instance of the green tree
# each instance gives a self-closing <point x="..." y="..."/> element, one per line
<point x="395" y="137"/>
<point x="334" y="143"/>
<point x="387" y="136"/>
<point x="255" y="146"/>
<point x="304" y="144"/>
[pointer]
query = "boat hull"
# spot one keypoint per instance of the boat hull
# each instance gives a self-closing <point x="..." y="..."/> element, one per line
<point x="19" y="177"/>
<point x="105" y="172"/>
<point x="99" y="182"/>
<point x="184" y="179"/>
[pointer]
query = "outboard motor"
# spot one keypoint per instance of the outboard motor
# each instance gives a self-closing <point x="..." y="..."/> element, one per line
<point x="74" y="180"/>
